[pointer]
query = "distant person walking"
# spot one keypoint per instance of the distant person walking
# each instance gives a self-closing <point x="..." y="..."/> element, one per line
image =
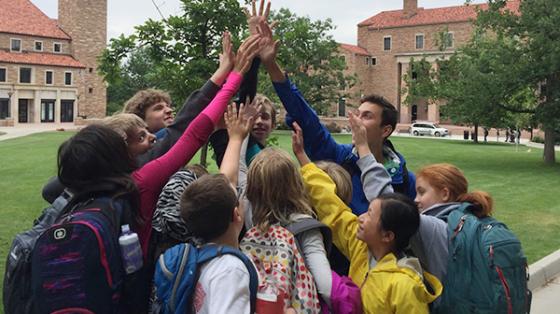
<point x="485" y="135"/>
<point x="507" y="135"/>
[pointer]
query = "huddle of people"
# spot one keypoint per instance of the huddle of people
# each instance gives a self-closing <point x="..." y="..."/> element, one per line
<point x="348" y="230"/>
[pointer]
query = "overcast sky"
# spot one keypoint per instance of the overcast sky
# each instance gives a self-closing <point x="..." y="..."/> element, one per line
<point x="346" y="14"/>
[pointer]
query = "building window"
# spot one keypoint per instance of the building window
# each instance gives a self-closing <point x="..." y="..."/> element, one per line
<point x="420" y="41"/>
<point x="38" y="45"/>
<point x="57" y="47"/>
<point x="90" y="90"/>
<point x="25" y="75"/>
<point x="67" y="78"/>
<point x="373" y="61"/>
<point x="48" y="77"/>
<point x="367" y="60"/>
<point x="387" y="43"/>
<point x="90" y="70"/>
<point x="3" y="73"/>
<point x="15" y="44"/>
<point x="449" y="40"/>
<point x="4" y="108"/>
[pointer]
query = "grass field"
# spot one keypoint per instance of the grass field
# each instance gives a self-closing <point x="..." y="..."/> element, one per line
<point x="526" y="192"/>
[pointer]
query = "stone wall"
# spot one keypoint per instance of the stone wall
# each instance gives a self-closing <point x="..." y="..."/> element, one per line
<point x="86" y="22"/>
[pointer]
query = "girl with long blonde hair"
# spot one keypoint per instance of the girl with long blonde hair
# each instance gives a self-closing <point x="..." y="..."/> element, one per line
<point x="276" y="192"/>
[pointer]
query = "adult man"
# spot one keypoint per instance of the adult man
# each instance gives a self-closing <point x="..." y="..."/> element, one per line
<point x="377" y="115"/>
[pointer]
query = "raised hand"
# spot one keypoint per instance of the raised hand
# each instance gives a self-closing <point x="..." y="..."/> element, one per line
<point x="298" y="146"/>
<point x="359" y="134"/>
<point x="238" y="123"/>
<point x="270" y="47"/>
<point x="246" y="52"/>
<point x="254" y="18"/>
<point x="227" y="60"/>
<point x="227" y="57"/>
<point x="251" y="109"/>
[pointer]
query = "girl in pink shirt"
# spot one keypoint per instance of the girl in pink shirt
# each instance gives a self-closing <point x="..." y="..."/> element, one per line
<point x="151" y="178"/>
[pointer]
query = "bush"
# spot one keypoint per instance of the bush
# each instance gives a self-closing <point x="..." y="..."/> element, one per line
<point x="538" y="139"/>
<point x="333" y="127"/>
<point x="283" y="126"/>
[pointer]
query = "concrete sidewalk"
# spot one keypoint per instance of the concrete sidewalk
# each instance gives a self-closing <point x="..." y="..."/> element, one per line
<point x="523" y="141"/>
<point x="24" y="130"/>
<point x="546" y="299"/>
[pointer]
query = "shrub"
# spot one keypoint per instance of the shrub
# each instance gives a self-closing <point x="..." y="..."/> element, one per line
<point x="333" y="127"/>
<point x="538" y="139"/>
<point x="283" y="126"/>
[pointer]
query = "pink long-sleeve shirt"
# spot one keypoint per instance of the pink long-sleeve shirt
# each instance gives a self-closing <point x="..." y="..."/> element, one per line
<point x="151" y="178"/>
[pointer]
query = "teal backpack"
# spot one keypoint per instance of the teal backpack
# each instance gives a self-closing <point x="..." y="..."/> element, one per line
<point x="487" y="270"/>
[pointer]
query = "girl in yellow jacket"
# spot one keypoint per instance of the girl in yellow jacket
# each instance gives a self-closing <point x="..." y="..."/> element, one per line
<point x="373" y="242"/>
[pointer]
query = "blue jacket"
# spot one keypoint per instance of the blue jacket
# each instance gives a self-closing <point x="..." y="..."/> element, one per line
<point x="320" y="145"/>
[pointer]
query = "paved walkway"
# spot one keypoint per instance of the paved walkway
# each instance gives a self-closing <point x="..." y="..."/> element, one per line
<point x="546" y="299"/>
<point x="491" y="139"/>
<point x="23" y="130"/>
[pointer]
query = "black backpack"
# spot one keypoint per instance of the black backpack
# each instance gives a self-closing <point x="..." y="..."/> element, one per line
<point x="76" y="263"/>
<point x="71" y="259"/>
<point x="17" y="276"/>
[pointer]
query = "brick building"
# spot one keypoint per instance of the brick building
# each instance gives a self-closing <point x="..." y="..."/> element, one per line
<point x="387" y="42"/>
<point x="48" y="68"/>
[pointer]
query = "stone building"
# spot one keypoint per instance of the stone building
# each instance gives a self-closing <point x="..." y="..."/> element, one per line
<point x="389" y="40"/>
<point x="48" y="68"/>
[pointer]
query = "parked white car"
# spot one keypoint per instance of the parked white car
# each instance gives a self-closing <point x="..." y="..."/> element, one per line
<point x="427" y="128"/>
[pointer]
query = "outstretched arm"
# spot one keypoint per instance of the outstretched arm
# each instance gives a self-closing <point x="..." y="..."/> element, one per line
<point x="318" y="140"/>
<point x="332" y="211"/>
<point x="192" y="107"/>
<point x="248" y="89"/>
<point x="238" y="126"/>
<point x="157" y="172"/>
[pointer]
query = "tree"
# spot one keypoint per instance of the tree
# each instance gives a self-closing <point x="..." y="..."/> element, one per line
<point x="310" y="56"/>
<point x="183" y="50"/>
<point x="537" y="36"/>
<point x="511" y="65"/>
<point x="137" y="73"/>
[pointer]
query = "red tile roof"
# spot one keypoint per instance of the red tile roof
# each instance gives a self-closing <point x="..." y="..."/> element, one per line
<point x="23" y="17"/>
<point x="354" y="49"/>
<point x="38" y="58"/>
<point x="464" y="13"/>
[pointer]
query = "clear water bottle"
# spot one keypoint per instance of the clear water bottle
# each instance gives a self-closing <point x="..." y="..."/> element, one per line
<point x="130" y="250"/>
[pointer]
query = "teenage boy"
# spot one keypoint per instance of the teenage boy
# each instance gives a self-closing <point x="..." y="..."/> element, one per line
<point x="154" y="107"/>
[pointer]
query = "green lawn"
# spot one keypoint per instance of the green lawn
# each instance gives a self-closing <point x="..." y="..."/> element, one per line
<point x="526" y="192"/>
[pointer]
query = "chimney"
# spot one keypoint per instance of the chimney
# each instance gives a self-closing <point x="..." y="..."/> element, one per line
<point x="410" y="7"/>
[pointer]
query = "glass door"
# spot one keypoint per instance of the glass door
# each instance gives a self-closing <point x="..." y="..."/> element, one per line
<point x="23" y="111"/>
<point x="66" y="111"/>
<point x="47" y="110"/>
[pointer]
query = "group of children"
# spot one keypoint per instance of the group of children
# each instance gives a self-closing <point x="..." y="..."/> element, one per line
<point x="388" y="225"/>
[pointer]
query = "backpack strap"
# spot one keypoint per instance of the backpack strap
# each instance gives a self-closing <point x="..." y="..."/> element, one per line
<point x="299" y="227"/>
<point x="209" y="252"/>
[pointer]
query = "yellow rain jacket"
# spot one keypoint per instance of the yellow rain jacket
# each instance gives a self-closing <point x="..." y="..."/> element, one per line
<point x="392" y="286"/>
